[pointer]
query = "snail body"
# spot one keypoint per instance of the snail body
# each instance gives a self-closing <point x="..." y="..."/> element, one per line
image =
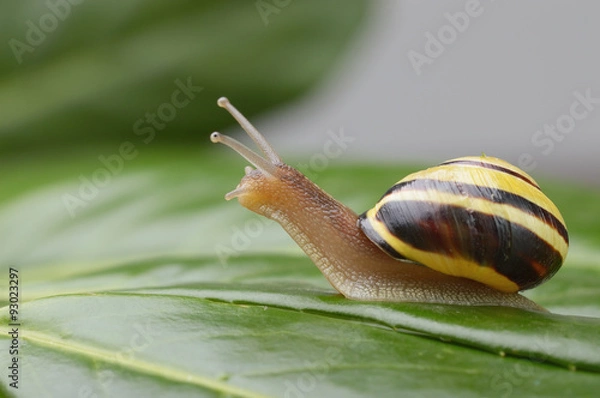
<point x="471" y="231"/>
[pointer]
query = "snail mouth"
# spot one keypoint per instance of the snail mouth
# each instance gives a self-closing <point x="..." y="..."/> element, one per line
<point x="236" y="193"/>
<point x="242" y="187"/>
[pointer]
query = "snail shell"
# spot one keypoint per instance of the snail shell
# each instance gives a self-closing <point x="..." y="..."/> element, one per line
<point x="475" y="217"/>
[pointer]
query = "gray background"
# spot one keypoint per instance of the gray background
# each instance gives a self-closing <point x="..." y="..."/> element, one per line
<point x="513" y="69"/>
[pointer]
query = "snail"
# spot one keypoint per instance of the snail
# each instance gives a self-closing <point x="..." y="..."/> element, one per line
<point x="470" y="231"/>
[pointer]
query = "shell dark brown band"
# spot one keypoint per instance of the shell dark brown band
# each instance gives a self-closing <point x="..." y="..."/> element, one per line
<point x="493" y="167"/>
<point x="512" y="250"/>
<point x="486" y="193"/>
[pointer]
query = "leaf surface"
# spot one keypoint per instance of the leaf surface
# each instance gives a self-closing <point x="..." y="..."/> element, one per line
<point x="156" y="285"/>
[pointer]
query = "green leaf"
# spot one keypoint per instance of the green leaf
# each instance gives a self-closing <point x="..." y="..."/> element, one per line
<point x="102" y="69"/>
<point x="153" y="284"/>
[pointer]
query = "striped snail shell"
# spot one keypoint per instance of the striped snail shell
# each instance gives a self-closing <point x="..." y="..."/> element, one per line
<point x="475" y="217"/>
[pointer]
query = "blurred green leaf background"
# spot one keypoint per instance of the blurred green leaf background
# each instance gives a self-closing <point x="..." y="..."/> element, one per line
<point x="95" y="73"/>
